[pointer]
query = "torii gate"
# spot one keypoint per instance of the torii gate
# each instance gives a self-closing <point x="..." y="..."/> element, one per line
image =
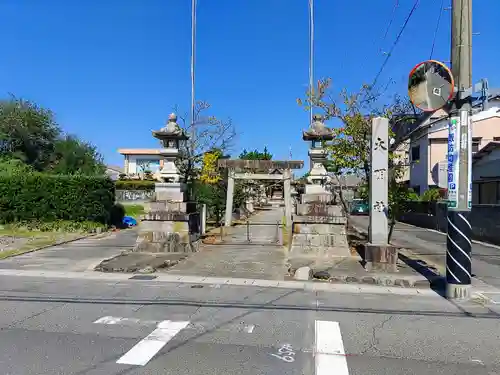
<point x="235" y="166"/>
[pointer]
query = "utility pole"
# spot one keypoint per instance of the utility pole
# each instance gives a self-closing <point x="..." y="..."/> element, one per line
<point x="458" y="255"/>
<point x="311" y="57"/>
<point x="193" y="61"/>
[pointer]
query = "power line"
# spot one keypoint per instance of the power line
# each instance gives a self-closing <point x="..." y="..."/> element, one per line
<point x="437" y="28"/>
<point x="389" y="54"/>
<point x="396" y="5"/>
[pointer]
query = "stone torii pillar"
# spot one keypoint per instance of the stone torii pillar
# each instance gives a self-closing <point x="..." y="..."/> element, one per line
<point x="287" y="195"/>
<point x="380" y="255"/>
<point x="229" y="198"/>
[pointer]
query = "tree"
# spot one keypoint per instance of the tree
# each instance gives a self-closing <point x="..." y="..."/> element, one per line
<point x="210" y="173"/>
<point x="30" y="135"/>
<point x="27" y="132"/>
<point x="256" y="155"/>
<point x="211" y="188"/>
<point x="348" y="152"/>
<point x="206" y="133"/>
<point x="11" y="166"/>
<point x="73" y="156"/>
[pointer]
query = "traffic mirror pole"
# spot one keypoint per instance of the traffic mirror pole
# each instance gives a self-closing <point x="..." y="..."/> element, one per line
<point x="458" y="254"/>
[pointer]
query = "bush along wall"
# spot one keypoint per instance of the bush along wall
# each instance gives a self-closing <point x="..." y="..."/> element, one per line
<point x="46" y="198"/>
<point x="135" y="185"/>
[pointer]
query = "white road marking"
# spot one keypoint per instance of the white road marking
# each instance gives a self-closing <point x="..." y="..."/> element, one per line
<point x="249" y="328"/>
<point x="329" y="349"/>
<point x="147" y="348"/>
<point x="119" y="320"/>
<point x="200" y="325"/>
<point x="109" y="320"/>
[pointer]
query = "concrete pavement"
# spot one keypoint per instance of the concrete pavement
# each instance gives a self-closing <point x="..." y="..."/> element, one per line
<point x="148" y="327"/>
<point x="79" y="255"/>
<point x="430" y="246"/>
<point x="262" y="258"/>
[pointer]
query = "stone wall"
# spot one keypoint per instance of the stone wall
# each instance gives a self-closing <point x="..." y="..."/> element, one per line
<point x="485" y="219"/>
<point x="319" y="237"/>
<point x="134" y="196"/>
<point x="318" y="209"/>
<point x="172" y="232"/>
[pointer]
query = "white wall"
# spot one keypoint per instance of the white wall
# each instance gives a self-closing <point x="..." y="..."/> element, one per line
<point x="419" y="170"/>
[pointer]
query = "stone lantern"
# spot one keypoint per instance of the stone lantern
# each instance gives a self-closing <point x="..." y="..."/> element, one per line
<point x="171" y="135"/>
<point x="318" y="176"/>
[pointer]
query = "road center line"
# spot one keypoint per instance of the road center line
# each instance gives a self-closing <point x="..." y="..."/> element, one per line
<point x="148" y="347"/>
<point x="329" y="349"/>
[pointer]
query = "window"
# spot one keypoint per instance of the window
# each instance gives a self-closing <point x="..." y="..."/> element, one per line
<point x="475" y="144"/>
<point x="439" y="141"/>
<point x="415" y="153"/>
<point x="488" y="192"/>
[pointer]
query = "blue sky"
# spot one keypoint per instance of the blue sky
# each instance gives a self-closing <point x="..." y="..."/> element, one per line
<point x="112" y="70"/>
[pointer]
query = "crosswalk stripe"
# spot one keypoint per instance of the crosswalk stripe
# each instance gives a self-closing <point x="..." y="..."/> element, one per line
<point x="329" y="349"/>
<point x="329" y="352"/>
<point x="148" y="347"/>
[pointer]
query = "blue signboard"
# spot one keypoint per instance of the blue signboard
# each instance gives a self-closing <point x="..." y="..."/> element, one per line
<point x="454" y="128"/>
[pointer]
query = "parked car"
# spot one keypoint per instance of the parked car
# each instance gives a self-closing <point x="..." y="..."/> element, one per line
<point x="359" y="207"/>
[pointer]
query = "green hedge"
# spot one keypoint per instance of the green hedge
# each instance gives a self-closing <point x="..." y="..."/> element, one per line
<point x="135" y="185"/>
<point x="42" y="197"/>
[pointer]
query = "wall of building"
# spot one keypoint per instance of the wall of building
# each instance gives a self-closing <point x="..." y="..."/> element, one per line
<point x="486" y="179"/>
<point x="438" y="152"/>
<point x="419" y="168"/>
<point x="487" y="167"/>
<point x="138" y="163"/>
<point x="433" y="146"/>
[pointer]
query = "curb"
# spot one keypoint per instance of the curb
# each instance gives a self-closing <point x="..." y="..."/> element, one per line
<point x="382" y="280"/>
<point x="408" y="253"/>
<point x="419" y="281"/>
<point x="180" y="279"/>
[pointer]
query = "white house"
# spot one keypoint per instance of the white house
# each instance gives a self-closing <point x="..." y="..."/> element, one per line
<point x="137" y="161"/>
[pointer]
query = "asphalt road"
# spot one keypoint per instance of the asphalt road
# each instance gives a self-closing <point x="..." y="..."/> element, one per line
<point x="431" y="247"/>
<point x="96" y="327"/>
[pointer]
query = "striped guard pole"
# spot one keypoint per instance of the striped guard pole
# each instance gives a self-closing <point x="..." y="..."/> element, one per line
<point x="458" y="254"/>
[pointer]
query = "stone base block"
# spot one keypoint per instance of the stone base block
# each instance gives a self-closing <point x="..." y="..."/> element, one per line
<point x="319" y="240"/>
<point x="161" y="242"/>
<point x="171" y="222"/>
<point x="315" y="189"/>
<point x="170" y="196"/>
<point x="173" y="191"/>
<point x="333" y="220"/>
<point x="319" y="228"/>
<point x="166" y="206"/>
<point x="381" y="258"/>
<point x="324" y="197"/>
<point x="318" y="209"/>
